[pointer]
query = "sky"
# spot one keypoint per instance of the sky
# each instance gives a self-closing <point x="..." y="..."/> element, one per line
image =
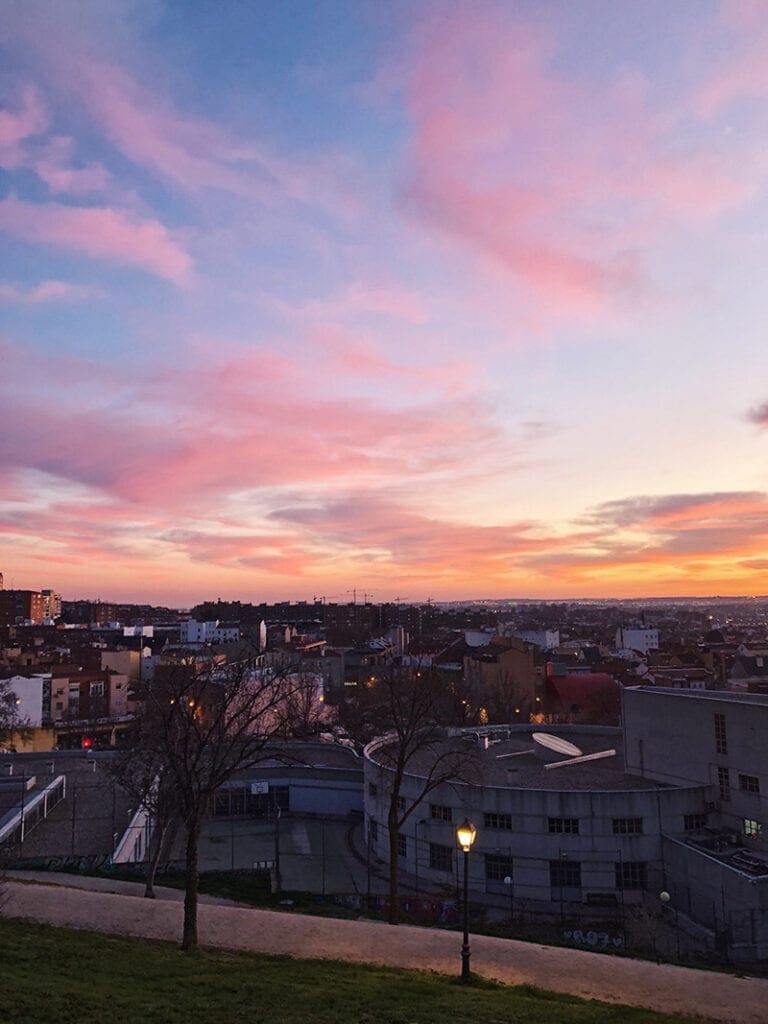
<point x="422" y="299"/>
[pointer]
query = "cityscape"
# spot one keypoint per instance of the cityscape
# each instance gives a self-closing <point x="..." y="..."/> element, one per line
<point x="383" y="511"/>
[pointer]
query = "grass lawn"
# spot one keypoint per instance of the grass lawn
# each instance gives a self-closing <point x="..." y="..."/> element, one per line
<point x="56" y="976"/>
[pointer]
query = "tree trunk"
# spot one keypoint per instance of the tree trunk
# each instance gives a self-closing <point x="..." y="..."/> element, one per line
<point x="157" y="844"/>
<point x="189" y="940"/>
<point x="394" y="902"/>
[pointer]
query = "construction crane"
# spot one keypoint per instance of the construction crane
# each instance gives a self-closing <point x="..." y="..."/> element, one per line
<point x="323" y="598"/>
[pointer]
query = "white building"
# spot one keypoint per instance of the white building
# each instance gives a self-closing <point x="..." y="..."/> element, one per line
<point x="31" y="693"/>
<point x="193" y="632"/>
<point x="545" y="639"/>
<point x="642" y="640"/>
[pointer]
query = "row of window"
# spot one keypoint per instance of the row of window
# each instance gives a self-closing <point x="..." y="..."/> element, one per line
<point x="563" y="874"/>
<point x="570" y="826"/>
<point x="747" y="783"/>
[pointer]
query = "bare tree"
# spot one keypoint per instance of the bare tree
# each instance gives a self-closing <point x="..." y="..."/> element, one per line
<point x="143" y="773"/>
<point x="303" y="711"/>
<point x="409" y="706"/>
<point x="199" y="729"/>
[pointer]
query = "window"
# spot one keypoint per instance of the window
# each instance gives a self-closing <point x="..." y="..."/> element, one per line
<point x="752" y="829"/>
<point x="749" y="783"/>
<point x="691" y="822"/>
<point x="627" y="826"/>
<point x="721" y="741"/>
<point x="373" y="830"/>
<point x="565" y="874"/>
<point x="499" y="821"/>
<point x="401" y="803"/>
<point x="402" y="845"/>
<point x="724" y="782"/>
<point x="439" y="812"/>
<point x="569" y="826"/>
<point x="497" y="867"/>
<point x="440" y="857"/>
<point x="96" y="689"/>
<point x="373" y="789"/>
<point x="631" y="874"/>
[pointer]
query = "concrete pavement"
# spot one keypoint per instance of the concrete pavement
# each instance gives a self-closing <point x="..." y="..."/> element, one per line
<point x="669" y="989"/>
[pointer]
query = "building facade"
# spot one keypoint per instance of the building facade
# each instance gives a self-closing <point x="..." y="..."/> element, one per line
<point x="673" y="801"/>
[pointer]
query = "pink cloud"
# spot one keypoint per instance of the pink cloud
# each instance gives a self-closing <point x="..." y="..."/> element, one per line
<point x="98" y="232"/>
<point x="31" y="119"/>
<point x="193" y="152"/>
<point x="532" y="170"/>
<point x="52" y="159"/>
<point x="45" y="291"/>
<point x="741" y="73"/>
<point x="54" y="164"/>
<point x="361" y="298"/>
<point x="357" y="354"/>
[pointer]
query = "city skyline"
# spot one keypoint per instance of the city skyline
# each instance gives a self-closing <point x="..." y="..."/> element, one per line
<point x="435" y="299"/>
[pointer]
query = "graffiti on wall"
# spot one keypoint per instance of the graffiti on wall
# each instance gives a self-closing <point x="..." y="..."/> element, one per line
<point x="598" y="940"/>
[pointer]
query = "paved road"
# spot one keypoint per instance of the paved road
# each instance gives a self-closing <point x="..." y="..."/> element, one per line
<point x="678" y="990"/>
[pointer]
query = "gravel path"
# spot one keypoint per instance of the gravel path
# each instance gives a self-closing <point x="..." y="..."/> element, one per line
<point x="677" y="990"/>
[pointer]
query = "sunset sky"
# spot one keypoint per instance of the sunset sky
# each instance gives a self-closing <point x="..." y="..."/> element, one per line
<point x="428" y="299"/>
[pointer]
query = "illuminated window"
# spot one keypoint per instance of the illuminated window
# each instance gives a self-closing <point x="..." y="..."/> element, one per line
<point x="752" y="829"/>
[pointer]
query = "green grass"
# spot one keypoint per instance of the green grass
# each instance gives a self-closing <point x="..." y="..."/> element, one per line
<point x="53" y="974"/>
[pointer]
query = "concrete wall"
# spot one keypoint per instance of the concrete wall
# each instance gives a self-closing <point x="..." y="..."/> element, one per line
<point x="727" y="901"/>
<point x="670" y="737"/>
<point x="529" y="842"/>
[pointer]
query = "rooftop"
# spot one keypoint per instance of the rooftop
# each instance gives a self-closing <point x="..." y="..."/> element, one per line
<point x="731" y="696"/>
<point x="525" y="770"/>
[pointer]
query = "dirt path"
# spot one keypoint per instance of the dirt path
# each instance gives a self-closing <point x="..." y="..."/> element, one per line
<point x="665" y="988"/>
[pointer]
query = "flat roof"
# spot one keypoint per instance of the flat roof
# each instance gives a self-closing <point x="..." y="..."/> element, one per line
<point x="728" y="696"/>
<point x="527" y="771"/>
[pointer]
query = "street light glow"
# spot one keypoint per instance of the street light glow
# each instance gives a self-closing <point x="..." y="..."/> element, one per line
<point x="465" y="835"/>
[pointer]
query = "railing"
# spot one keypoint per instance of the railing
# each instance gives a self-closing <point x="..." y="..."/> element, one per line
<point x="20" y="821"/>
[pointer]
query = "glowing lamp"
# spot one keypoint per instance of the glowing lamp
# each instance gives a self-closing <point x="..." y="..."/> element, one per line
<point x="465" y="835"/>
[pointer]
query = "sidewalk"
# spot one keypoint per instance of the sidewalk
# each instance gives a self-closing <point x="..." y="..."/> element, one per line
<point x="676" y="990"/>
<point x="111" y="885"/>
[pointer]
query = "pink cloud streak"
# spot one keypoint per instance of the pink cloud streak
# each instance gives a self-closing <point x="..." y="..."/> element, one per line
<point x="98" y="232"/>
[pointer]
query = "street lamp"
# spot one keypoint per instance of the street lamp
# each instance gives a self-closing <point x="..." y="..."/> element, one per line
<point x="466" y="834"/>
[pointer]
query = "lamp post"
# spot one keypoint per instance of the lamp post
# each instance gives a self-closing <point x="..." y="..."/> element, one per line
<point x="510" y="886"/>
<point x="466" y="834"/>
<point x="665" y="899"/>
